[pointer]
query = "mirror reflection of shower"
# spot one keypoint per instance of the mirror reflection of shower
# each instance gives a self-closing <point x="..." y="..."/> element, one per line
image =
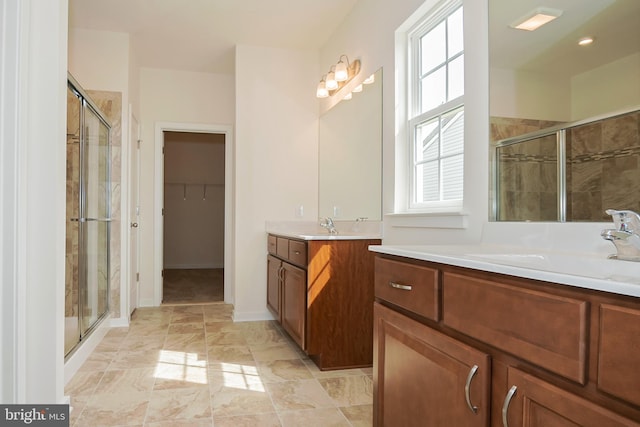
<point x="88" y="216"/>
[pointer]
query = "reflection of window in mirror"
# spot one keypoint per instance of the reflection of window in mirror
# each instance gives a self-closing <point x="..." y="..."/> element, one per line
<point x="544" y="79"/>
<point x="435" y="119"/>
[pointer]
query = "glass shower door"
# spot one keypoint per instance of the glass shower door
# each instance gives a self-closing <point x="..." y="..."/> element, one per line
<point x="72" y="262"/>
<point x="95" y="220"/>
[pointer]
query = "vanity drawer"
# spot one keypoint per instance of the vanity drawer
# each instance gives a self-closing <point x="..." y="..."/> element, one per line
<point x="298" y="252"/>
<point x="272" y="244"/>
<point x="282" y="247"/>
<point x="413" y="287"/>
<point x="619" y="352"/>
<point x="545" y="329"/>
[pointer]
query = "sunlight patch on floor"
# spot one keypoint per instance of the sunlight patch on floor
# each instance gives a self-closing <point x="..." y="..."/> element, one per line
<point x="181" y="366"/>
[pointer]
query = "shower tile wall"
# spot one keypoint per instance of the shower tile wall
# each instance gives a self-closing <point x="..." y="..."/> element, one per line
<point x="604" y="165"/>
<point x="603" y="160"/>
<point x="110" y="103"/>
<point x="528" y="190"/>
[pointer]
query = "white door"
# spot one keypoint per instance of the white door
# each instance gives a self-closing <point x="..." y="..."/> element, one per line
<point x="134" y="215"/>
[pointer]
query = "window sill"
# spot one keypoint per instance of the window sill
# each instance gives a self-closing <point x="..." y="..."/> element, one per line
<point x="428" y="220"/>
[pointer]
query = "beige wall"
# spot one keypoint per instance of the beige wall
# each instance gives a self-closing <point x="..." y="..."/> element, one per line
<point x="276" y="159"/>
<point x="194" y="200"/>
<point x="368" y="33"/>
<point x="178" y="97"/>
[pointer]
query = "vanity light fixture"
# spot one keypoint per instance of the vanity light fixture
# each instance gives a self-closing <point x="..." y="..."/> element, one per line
<point x="357" y="89"/>
<point x="338" y="76"/>
<point x="342" y="69"/>
<point x="585" y="41"/>
<point x="370" y="79"/>
<point x="348" y="96"/>
<point x="536" y="18"/>
<point x="331" y="82"/>
<point x="321" y="91"/>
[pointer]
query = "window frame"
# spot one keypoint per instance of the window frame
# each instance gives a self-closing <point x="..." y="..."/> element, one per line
<point x="430" y="20"/>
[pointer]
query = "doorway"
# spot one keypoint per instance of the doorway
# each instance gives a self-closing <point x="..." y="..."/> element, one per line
<point x="194" y="217"/>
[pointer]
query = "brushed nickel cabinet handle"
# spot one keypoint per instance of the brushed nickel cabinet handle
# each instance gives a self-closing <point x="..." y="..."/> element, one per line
<point x="296" y="252"/>
<point x="505" y="406"/>
<point x="399" y="286"/>
<point x="467" y="389"/>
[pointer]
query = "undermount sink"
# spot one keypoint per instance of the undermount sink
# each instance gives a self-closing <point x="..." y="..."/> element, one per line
<point x="563" y="263"/>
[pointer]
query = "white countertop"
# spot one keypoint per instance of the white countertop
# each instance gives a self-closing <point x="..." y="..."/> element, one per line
<point x="326" y="236"/>
<point x="590" y="271"/>
<point x="347" y="230"/>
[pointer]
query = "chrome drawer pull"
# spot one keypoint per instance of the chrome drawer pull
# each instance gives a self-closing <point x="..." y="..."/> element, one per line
<point x="505" y="406"/>
<point x="297" y="252"/>
<point x="399" y="286"/>
<point x="467" y="389"/>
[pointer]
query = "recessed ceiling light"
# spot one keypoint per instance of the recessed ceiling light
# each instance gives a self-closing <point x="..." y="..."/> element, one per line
<point x="584" y="41"/>
<point x="536" y="18"/>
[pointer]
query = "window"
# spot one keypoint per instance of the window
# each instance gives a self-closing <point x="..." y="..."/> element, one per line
<point x="436" y="110"/>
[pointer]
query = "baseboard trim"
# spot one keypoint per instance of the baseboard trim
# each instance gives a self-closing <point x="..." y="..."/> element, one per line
<point x="251" y="316"/>
<point x="147" y="302"/>
<point x="119" y="322"/>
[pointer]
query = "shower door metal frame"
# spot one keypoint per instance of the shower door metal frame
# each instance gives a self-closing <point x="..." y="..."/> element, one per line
<point x="82" y="279"/>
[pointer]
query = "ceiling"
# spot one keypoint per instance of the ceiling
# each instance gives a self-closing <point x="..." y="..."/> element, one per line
<point x="200" y="35"/>
<point x="553" y="47"/>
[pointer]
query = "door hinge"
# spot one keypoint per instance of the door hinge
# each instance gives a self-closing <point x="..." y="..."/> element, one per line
<point x="139" y="141"/>
<point x="162" y="211"/>
<point x="162" y="273"/>
<point x="137" y="277"/>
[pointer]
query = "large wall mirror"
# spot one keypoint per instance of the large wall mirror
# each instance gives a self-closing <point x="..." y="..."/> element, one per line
<point x="564" y="117"/>
<point x="350" y="157"/>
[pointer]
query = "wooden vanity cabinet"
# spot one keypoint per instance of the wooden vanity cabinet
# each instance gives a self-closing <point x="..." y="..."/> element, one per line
<point x="548" y="355"/>
<point x="424" y="378"/>
<point x="321" y="292"/>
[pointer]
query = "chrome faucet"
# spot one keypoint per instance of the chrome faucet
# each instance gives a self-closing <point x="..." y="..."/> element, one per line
<point x="328" y="224"/>
<point x="625" y="236"/>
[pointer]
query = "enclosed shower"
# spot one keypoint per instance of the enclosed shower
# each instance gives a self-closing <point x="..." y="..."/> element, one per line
<point x="88" y="216"/>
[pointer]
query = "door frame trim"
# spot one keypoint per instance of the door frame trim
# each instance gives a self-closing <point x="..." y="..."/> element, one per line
<point x="229" y="192"/>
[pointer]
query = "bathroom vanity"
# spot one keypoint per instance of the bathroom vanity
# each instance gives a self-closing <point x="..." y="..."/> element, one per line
<point x="469" y="337"/>
<point x="320" y="289"/>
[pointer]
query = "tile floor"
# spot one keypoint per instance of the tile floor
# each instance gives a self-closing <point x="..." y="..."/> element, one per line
<point x="191" y="366"/>
<point x="189" y="286"/>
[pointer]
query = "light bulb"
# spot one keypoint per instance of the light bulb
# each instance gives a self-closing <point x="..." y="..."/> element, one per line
<point x="348" y="96"/>
<point x="342" y="74"/>
<point x="331" y="83"/>
<point x="321" y="91"/>
<point x="358" y="88"/>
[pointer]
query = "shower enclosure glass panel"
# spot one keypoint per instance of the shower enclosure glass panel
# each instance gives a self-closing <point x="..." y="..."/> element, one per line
<point x="95" y="192"/>
<point x="88" y="217"/>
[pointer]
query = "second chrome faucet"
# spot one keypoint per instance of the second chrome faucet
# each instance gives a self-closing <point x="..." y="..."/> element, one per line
<point x="329" y="225"/>
<point x="626" y="234"/>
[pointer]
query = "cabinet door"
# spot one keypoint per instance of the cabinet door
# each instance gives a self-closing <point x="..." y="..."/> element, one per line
<point x="424" y="378"/>
<point x="294" y="302"/>
<point x="532" y="402"/>
<point x="273" y="286"/>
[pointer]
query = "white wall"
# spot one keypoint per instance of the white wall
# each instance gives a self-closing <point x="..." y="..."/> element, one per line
<point x="33" y="187"/>
<point x="531" y="95"/>
<point x="611" y="93"/>
<point x="368" y="33"/>
<point x="276" y="159"/>
<point x="178" y="97"/>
